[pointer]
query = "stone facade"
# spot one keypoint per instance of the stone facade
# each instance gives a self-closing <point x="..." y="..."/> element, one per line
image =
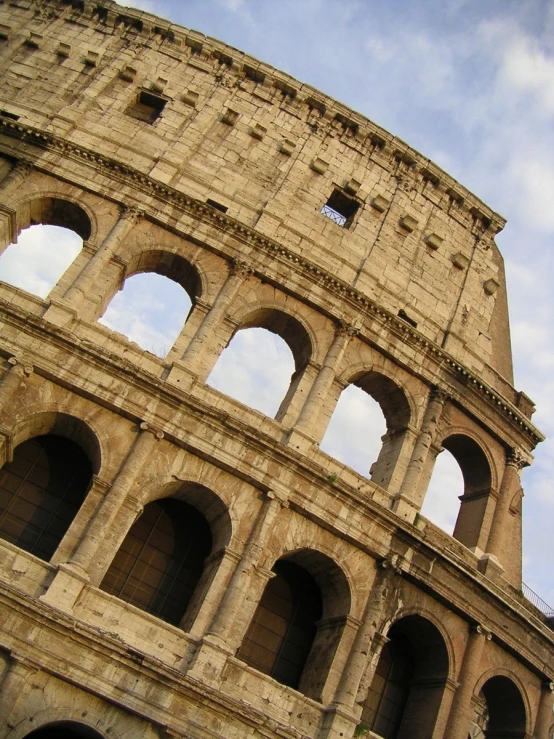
<point x="169" y="152"/>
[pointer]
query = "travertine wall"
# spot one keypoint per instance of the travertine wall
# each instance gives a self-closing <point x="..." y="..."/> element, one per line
<point x="271" y="151"/>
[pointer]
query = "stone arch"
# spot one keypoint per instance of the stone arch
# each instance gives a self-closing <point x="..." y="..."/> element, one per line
<point x="406" y="692"/>
<point x="54" y="716"/>
<point x="397" y="405"/>
<point x="59" y="423"/>
<point x="288" y="325"/>
<point x="187" y="273"/>
<point x="507" y="702"/>
<point x="57" y="209"/>
<point x="479" y="476"/>
<point x="323" y="602"/>
<point x="184" y="527"/>
<point x="434" y="619"/>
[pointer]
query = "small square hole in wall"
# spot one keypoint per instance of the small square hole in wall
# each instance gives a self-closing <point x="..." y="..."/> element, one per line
<point x="147" y="107"/>
<point x="340" y="208"/>
<point x="217" y="206"/>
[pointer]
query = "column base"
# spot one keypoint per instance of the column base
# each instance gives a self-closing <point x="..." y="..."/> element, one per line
<point x="207" y="664"/>
<point x="490" y="567"/>
<point x="181" y="376"/>
<point x="405" y="508"/>
<point x="66" y="587"/>
<point x="60" y="313"/>
<point x="300" y="441"/>
<point x="339" y="723"/>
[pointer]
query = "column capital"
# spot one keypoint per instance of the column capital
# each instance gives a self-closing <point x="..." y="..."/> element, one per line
<point x="547" y="685"/>
<point x="240" y="268"/>
<point x="516" y="458"/>
<point x="22" y="167"/>
<point x="277" y="497"/>
<point x="144" y="426"/>
<point x="481" y="631"/>
<point x="131" y="213"/>
<point x="438" y="394"/>
<point x="23" y="367"/>
<point x="346" y="329"/>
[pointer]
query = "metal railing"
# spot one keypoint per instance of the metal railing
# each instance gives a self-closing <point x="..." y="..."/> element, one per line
<point x="334" y="215"/>
<point x="537" y="601"/>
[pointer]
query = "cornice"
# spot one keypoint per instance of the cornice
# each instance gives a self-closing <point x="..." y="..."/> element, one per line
<point x="247" y="235"/>
<point x="223" y="61"/>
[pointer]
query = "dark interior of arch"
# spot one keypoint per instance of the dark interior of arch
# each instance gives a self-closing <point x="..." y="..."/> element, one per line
<point x="161" y="560"/>
<point x="170" y="265"/>
<point x="506" y="709"/>
<point x="473" y="463"/>
<point x="64" y="730"/>
<point x="406" y="691"/>
<point x="391" y="398"/>
<point x="290" y="329"/>
<point x="58" y="212"/>
<point x="41" y="490"/>
<point x="283" y="629"/>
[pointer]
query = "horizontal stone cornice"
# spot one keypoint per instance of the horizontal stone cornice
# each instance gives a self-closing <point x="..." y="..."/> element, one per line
<point x="311" y="270"/>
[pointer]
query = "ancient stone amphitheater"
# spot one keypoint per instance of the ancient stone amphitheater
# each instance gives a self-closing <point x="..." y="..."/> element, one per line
<point x="172" y="562"/>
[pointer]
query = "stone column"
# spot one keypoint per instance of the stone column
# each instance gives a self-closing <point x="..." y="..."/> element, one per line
<point x="545" y="715"/>
<point x="409" y="499"/>
<point x="12" y="687"/>
<point x="242" y="594"/>
<point x="347" y="690"/>
<point x="121" y="487"/>
<point x="12" y="379"/>
<point x="461" y="711"/>
<point x="343" y="714"/>
<point x="202" y="343"/>
<point x="510" y="481"/>
<point x="227" y="617"/>
<point x="87" y="281"/>
<point x="16" y="176"/>
<point x="307" y="420"/>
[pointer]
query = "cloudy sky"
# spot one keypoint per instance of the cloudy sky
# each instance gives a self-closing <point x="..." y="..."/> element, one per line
<point x="470" y="84"/>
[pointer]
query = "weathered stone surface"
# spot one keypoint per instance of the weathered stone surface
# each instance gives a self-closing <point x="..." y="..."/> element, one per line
<point x="121" y="126"/>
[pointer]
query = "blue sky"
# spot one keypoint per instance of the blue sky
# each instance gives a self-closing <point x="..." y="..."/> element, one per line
<point x="470" y="84"/>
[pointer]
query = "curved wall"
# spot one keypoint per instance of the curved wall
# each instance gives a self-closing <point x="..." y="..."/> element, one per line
<point x="169" y="152"/>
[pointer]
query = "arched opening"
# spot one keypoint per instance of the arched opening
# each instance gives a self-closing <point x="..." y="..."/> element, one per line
<point x="39" y="258"/>
<point x="161" y="560"/>
<point x="406" y="691"/>
<point x="476" y="473"/>
<point x="296" y="628"/>
<point x="264" y="362"/>
<point x="155" y="300"/>
<point x="375" y="421"/>
<point x="441" y="504"/>
<point x="355" y="432"/>
<point x="41" y="490"/>
<point x="64" y="730"/>
<point x="499" y="711"/>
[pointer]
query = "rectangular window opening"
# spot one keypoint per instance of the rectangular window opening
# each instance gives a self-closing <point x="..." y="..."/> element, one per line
<point x="147" y="107"/>
<point x="217" y="206"/>
<point x="340" y="208"/>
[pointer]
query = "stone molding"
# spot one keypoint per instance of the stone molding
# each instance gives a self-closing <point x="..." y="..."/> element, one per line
<point x="312" y="271"/>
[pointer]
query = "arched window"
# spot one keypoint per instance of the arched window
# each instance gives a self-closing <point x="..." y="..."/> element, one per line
<point x="442" y="499"/>
<point x="500" y="710"/>
<point x="155" y="301"/>
<point x="476" y="473"/>
<point x="372" y="418"/>
<point x="283" y="629"/>
<point x="150" y="310"/>
<point x="161" y="560"/>
<point x="39" y="258"/>
<point x="256" y="369"/>
<point x="406" y="691"/>
<point x="41" y="490"/>
<point x="354" y="435"/>
<point x="297" y="627"/>
<point x="259" y="368"/>
<point x="64" y="730"/>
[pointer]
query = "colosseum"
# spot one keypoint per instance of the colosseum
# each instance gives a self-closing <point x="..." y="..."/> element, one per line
<point x="174" y="563"/>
